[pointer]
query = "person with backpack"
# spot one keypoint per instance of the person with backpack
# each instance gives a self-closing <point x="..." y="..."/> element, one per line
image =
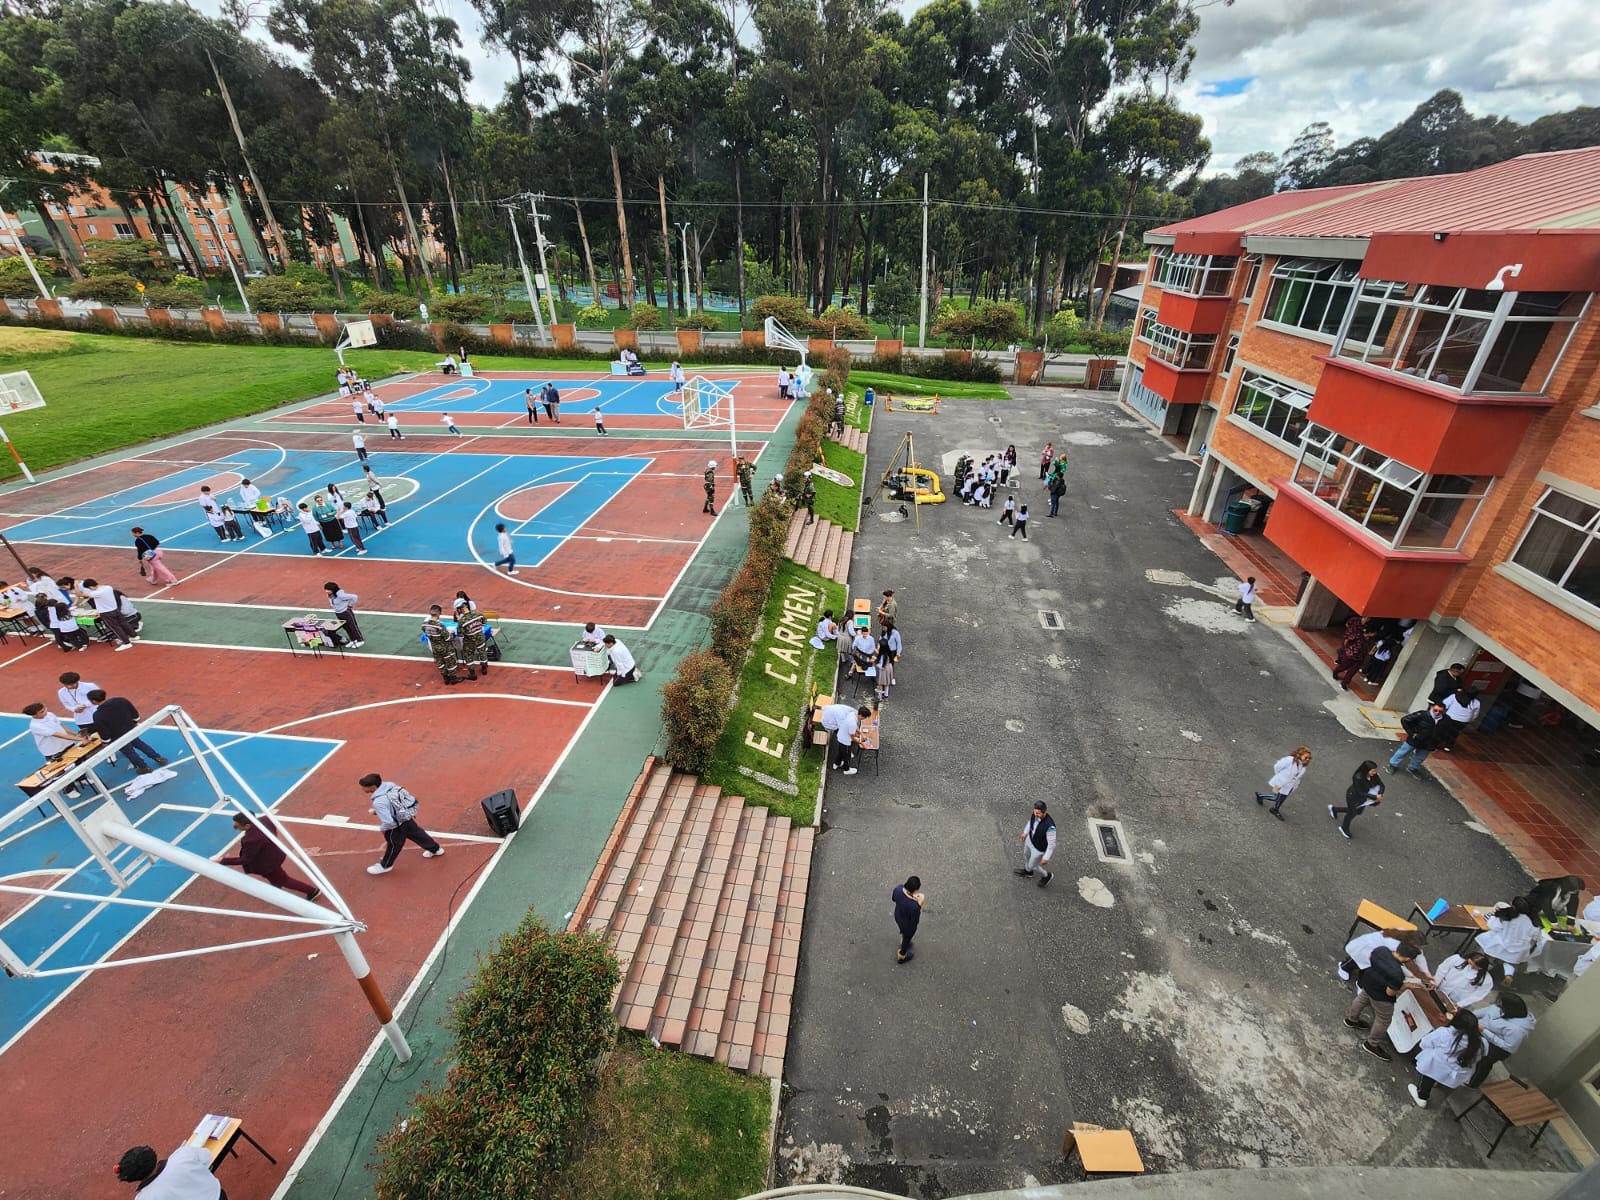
<point x="1447" y="1056"/>
<point x="1057" y="487"/>
<point x="396" y="810"/>
<point x="1424" y="730"/>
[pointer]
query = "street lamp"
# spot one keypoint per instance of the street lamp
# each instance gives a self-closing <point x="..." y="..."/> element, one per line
<point x="683" y="240"/>
<point x="201" y="210"/>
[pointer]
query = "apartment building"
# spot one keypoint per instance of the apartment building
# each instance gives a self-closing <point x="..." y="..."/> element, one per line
<point x="1403" y="375"/>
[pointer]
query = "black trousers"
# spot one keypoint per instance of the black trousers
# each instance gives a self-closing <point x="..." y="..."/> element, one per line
<point x="842" y="752"/>
<point x="908" y="930"/>
<point x="394" y="840"/>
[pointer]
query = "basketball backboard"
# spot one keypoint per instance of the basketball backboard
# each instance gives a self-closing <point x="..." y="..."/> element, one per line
<point x="360" y="334"/>
<point x="18" y="393"/>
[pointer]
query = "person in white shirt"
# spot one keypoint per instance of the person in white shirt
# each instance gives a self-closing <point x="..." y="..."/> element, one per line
<point x="508" y="552"/>
<point x="592" y="634"/>
<point x="308" y="522"/>
<point x="1358" y="953"/>
<point x="1287" y="773"/>
<point x="374" y="404"/>
<point x="827" y="631"/>
<point x="40" y="584"/>
<point x="676" y="374"/>
<point x="864" y="651"/>
<point x="449" y="422"/>
<point x="75" y="702"/>
<point x="108" y="611"/>
<point x="207" y="500"/>
<point x="249" y="493"/>
<point x="360" y="443"/>
<point x="844" y="723"/>
<point x="1464" y="979"/>
<point x="1511" y="936"/>
<point x="1462" y="707"/>
<point x="358" y="409"/>
<point x="219" y="523"/>
<point x="255" y="508"/>
<point x="185" y="1174"/>
<point x="393" y="422"/>
<point x="783" y="383"/>
<point x="1008" y="515"/>
<point x="1506" y="1025"/>
<point x="350" y="522"/>
<point x="622" y="664"/>
<point x="50" y="736"/>
<point x="1247" y="597"/>
<point x="1591" y="911"/>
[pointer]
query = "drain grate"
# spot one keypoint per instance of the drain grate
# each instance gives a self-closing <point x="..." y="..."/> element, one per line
<point x="1110" y="842"/>
<point x="1050" y="619"/>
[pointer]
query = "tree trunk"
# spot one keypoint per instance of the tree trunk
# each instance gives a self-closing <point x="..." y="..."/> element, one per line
<point x="181" y="230"/>
<point x="666" y="240"/>
<point x="255" y="180"/>
<point x="738" y="230"/>
<point x="616" y="273"/>
<point x="455" y="216"/>
<point x="865" y="299"/>
<point x="412" y="234"/>
<point x="622" y="227"/>
<point x="363" y="236"/>
<point x="699" y="275"/>
<point x="66" y="250"/>
<point x="1122" y="231"/>
<point x="588" y="255"/>
<point x="649" y="272"/>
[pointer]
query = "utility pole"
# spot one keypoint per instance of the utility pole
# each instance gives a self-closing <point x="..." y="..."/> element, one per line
<point x="683" y="241"/>
<point x="200" y="210"/>
<point x="922" y="315"/>
<point x="527" y="279"/>
<point x="543" y="247"/>
<point x="20" y="233"/>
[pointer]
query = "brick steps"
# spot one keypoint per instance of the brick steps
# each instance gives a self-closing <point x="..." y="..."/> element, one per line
<point x="702" y="899"/>
<point x="853" y="439"/>
<point x="822" y="546"/>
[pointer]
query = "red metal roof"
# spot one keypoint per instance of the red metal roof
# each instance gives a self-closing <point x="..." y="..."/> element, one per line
<point x="1560" y="190"/>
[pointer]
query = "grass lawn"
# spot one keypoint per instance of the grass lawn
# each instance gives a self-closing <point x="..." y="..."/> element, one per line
<point x="666" y="1125"/>
<point x="838" y="504"/>
<point x="945" y="389"/>
<point x="787" y="783"/>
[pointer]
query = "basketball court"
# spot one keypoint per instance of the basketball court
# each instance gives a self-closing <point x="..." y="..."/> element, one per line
<point x="603" y="529"/>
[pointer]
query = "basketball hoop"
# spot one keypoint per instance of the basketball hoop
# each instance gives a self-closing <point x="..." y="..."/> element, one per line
<point x="709" y="405"/>
<point x="780" y="337"/>
<point x="357" y="336"/>
<point x="18" y="393"/>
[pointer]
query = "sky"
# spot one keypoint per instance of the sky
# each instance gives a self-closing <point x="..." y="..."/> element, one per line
<point x="1265" y="69"/>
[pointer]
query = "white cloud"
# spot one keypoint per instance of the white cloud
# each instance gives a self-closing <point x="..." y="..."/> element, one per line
<point x="1363" y="65"/>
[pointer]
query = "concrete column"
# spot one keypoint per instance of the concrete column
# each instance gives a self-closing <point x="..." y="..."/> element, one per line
<point x="1563" y="1053"/>
<point x="1315" y="609"/>
<point x="1428" y="651"/>
<point x="1200" y="435"/>
<point x="1205" y="482"/>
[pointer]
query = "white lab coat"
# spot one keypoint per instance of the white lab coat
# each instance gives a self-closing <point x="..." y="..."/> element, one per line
<point x="1437" y="1058"/>
<point x="1286" y="775"/>
<point x="1454" y="979"/>
<point x="1359" y="950"/>
<point x="1508" y="1033"/>
<point x="1510" y="941"/>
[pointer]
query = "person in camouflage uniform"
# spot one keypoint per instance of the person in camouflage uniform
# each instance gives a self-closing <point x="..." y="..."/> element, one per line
<point x="711" y="488"/>
<point x="808" y="498"/>
<point x="474" y="647"/>
<point x="442" y="644"/>
<point x="747" y="474"/>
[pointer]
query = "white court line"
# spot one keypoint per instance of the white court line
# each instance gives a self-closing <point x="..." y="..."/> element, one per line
<point x="425" y="968"/>
<point x="340" y="712"/>
<point x="330" y="822"/>
<point x="375" y="612"/>
<point x="405" y="658"/>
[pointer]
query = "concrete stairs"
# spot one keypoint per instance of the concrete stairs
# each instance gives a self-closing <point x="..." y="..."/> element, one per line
<point x="821" y="546"/>
<point x="853" y="439"/>
<point x="702" y="898"/>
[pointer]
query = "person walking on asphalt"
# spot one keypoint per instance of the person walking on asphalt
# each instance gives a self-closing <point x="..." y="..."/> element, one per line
<point x="1365" y="791"/>
<point x="396" y="810"/>
<point x="1021" y="525"/>
<point x="1057" y="487"/>
<point x="1287" y="773"/>
<point x="260" y="855"/>
<point x="1424" y="729"/>
<point x="1046" y="457"/>
<point x="1247" y="597"/>
<point x="908" y="900"/>
<point x="1038" y="844"/>
<point x="1376" y="989"/>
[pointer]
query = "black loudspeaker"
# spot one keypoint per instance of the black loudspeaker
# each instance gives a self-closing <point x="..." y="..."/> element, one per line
<point x="501" y="811"/>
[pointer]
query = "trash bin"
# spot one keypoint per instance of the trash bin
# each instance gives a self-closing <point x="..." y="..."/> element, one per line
<point x="1238" y="513"/>
<point x="868" y="398"/>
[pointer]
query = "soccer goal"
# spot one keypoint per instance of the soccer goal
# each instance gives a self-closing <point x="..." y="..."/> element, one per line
<point x="91" y="855"/>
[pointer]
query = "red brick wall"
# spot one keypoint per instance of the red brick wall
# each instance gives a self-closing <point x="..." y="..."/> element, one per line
<point x="1250" y="454"/>
<point x="1563" y="647"/>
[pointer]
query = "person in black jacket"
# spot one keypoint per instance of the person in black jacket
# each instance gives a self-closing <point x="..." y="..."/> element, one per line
<point x="260" y="855"/>
<point x="1446" y="682"/>
<point x="1376" y="988"/>
<point x="1425" y="730"/>
<point x="114" y="717"/>
<point x="1365" y="791"/>
<point x="907" y="899"/>
<point x="1555" y="898"/>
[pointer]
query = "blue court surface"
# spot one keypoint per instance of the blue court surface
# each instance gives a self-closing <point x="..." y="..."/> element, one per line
<point x="442" y="507"/>
<point x="34" y="844"/>
<point x="637" y="396"/>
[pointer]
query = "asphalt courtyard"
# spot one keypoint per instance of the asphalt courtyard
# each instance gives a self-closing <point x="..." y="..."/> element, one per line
<point x="1187" y="995"/>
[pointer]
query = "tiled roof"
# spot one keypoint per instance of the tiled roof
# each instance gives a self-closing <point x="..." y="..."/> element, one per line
<point x="1560" y="190"/>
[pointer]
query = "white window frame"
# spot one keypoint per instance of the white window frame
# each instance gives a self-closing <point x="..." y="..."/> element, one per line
<point x="1205" y="275"/>
<point x="1338" y="274"/>
<point x="1277" y="392"/>
<point x="1175" y="346"/>
<point x="1144" y="323"/>
<point x="1590" y="531"/>
<point x="1230" y="355"/>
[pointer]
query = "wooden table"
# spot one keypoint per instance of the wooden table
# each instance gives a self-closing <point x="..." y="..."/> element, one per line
<point x="20" y="621"/>
<point x="1458" y="918"/>
<point x="221" y="1146"/>
<point x="53" y="770"/>
<point x="314" y="633"/>
<point x="1103" y="1151"/>
<point x="1377" y="916"/>
<point x="1415" y="1016"/>
<point x="1517" y="1105"/>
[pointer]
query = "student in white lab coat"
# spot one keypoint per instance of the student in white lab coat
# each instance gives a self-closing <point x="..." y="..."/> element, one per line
<point x="1506" y="1025"/>
<point x="1447" y="1056"/>
<point x="1464" y="979"/>
<point x="1511" y="936"/>
<point x="1287" y="773"/>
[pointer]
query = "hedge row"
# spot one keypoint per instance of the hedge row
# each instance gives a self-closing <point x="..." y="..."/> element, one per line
<point x="532" y="1029"/>
<point x="452" y="336"/>
<point x="695" y="702"/>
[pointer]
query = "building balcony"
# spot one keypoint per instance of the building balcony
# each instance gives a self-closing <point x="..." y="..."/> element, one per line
<point x="1374" y="579"/>
<point x="1428" y="425"/>
<point x="1173" y="385"/>
<point x="1193" y="314"/>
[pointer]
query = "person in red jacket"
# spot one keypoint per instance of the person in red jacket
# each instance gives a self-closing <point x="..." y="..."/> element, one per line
<point x="259" y="855"/>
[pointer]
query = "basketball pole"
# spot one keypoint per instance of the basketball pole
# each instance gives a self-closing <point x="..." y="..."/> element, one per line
<point x="26" y="474"/>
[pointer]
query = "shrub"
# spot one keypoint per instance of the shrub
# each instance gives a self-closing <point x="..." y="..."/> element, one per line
<point x="593" y="316"/>
<point x="108" y="289"/>
<point x="17" y="287"/>
<point x="453" y="338"/>
<point x="644" y="316"/>
<point x="975" y="370"/>
<point x="993" y="323"/>
<point x="185" y="282"/>
<point x="400" y="305"/>
<point x="694" y="708"/>
<point x="789" y="310"/>
<point x="531" y="1029"/>
<point x="165" y="295"/>
<point x="465" y="306"/>
<point x="138" y="257"/>
<point x="280" y="293"/>
<point x="842" y="323"/>
<point x="698" y="320"/>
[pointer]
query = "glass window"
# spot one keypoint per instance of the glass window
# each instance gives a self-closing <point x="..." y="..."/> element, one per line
<point x="1158" y="264"/>
<point x="1560" y="545"/>
<point x="1311" y="293"/>
<point x="1199" y="274"/>
<point x="1465" y="339"/>
<point x="92" y="230"/>
<point x="1252" y="276"/>
<point x="1186" y="351"/>
<point x="1388" y="498"/>
<point x="1230" y="354"/>
<point x="1147" y="320"/>
<point x="1272" y="405"/>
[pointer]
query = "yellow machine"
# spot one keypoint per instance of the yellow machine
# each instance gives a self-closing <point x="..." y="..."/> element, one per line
<point x="911" y="404"/>
<point x="916" y="483"/>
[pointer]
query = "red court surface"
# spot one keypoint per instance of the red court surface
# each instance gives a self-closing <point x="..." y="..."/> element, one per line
<point x="139" y="1054"/>
<point x="616" y="568"/>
